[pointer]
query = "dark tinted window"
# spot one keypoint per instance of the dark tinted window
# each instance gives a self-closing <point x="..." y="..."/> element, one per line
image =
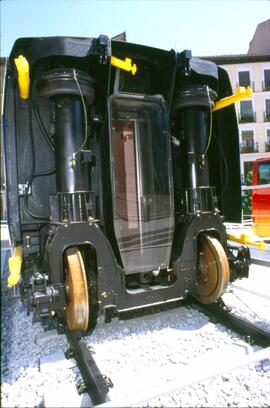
<point x="246" y="108"/>
<point x="244" y="78"/>
<point x="267" y="78"/>
<point x="264" y="173"/>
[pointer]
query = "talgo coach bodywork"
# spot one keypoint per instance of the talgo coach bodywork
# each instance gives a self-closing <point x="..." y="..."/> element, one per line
<point x="119" y="177"/>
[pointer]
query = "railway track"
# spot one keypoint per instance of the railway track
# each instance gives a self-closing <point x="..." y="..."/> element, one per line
<point x="209" y="326"/>
<point x="237" y="354"/>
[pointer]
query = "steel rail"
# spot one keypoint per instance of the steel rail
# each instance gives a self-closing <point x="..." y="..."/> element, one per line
<point x="221" y="314"/>
<point x="261" y="262"/>
<point x="95" y="383"/>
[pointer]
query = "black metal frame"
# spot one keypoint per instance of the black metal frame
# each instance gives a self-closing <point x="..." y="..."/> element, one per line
<point x="189" y="88"/>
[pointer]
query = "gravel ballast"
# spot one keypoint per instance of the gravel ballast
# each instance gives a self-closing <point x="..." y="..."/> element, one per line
<point x="137" y="350"/>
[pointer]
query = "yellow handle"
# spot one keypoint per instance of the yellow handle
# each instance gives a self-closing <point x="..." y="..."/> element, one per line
<point x="246" y="239"/>
<point x="15" y="263"/>
<point x="23" y="76"/>
<point x="241" y="93"/>
<point x="124" y="64"/>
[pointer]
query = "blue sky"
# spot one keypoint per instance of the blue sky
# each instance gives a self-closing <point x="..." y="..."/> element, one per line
<point x="212" y="27"/>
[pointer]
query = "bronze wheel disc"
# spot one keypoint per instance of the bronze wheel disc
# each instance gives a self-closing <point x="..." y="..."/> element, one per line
<point x="214" y="271"/>
<point x="77" y="309"/>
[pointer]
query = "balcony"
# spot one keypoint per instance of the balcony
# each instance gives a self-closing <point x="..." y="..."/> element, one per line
<point x="251" y="84"/>
<point x="249" y="147"/>
<point x="266" y="116"/>
<point x="265" y="86"/>
<point x="267" y="146"/>
<point x="247" y="117"/>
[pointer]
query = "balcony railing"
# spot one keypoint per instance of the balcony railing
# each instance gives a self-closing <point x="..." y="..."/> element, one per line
<point x="251" y="84"/>
<point x="249" y="147"/>
<point x="247" y="117"/>
<point x="266" y="116"/>
<point x="265" y="86"/>
<point x="267" y="146"/>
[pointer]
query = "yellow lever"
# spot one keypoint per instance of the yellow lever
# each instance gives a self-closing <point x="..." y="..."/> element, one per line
<point x="23" y="76"/>
<point x="247" y="240"/>
<point x="124" y="64"/>
<point x="241" y="93"/>
<point x="15" y="264"/>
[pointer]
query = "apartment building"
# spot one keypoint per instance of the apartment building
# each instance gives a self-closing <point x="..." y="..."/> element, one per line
<point x="253" y="113"/>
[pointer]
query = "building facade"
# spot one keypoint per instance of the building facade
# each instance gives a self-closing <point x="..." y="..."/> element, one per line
<point x="253" y="113"/>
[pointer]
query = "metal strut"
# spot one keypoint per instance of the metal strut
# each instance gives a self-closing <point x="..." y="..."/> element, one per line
<point x="96" y="385"/>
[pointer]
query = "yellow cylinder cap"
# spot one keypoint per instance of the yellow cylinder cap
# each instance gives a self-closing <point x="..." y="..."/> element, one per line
<point x="23" y="76"/>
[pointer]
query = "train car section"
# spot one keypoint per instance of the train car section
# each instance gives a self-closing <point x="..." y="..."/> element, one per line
<point x="261" y="197"/>
<point x="118" y="181"/>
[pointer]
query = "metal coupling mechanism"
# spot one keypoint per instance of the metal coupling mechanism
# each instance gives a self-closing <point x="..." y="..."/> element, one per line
<point x="239" y="261"/>
<point x="44" y="299"/>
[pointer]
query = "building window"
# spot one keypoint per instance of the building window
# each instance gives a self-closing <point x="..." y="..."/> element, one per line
<point x="267" y="111"/>
<point x="267" y="143"/>
<point x="266" y="82"/>
<point x="248" y="145"/>
<point x="246" y="112"/>
<point x="244" y="78"/>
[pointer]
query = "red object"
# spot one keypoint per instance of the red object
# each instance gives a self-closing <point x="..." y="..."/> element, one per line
<point x="261" y="197"/>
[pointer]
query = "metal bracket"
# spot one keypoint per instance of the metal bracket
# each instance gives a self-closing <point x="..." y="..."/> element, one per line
<point x="22" y="189"/>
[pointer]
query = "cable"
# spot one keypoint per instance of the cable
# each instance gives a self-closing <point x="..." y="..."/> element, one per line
<point x="210" y="126"/>
<point x="85" y="115"/>
<point x="225" y="165"/>
<point x="42" y="128"/>
<point x="233" y="293"/>
<point x="44" y="173"/>
<point x="30" y="178"/>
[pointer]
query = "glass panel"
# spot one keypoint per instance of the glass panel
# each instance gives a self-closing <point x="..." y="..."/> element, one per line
<point x="247" y="138"/>
<point x="267" y="106"/>
<point x="246" y="108"/>
<point x="267" y="78"/>
<point x="268" y="135"/>
<point x="244" y="78"/>
<point x="141" y="182"/>
<point x="264" y="173"/>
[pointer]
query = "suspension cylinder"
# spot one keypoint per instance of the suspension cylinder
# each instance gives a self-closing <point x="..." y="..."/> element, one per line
<point x="71" y="173"/>
<point x="72" y="92"/>
<point x="192" y="108"/>
<point x="194" y="105"/>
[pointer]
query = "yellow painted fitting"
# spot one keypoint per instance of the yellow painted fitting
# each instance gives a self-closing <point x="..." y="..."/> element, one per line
<point x="15" y="264"/>
<point x="124" y="64"/>
<point x="246" y="239"/>
<point x="241" y="93"/>
<point x="23" y="76"/>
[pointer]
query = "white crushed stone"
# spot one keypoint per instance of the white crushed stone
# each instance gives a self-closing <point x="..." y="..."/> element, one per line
<point x="124" y="350"/>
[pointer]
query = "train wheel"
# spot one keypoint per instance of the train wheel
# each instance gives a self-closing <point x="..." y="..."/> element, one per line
<point x="214" y="271"/>
<point x="77" y="309"/>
